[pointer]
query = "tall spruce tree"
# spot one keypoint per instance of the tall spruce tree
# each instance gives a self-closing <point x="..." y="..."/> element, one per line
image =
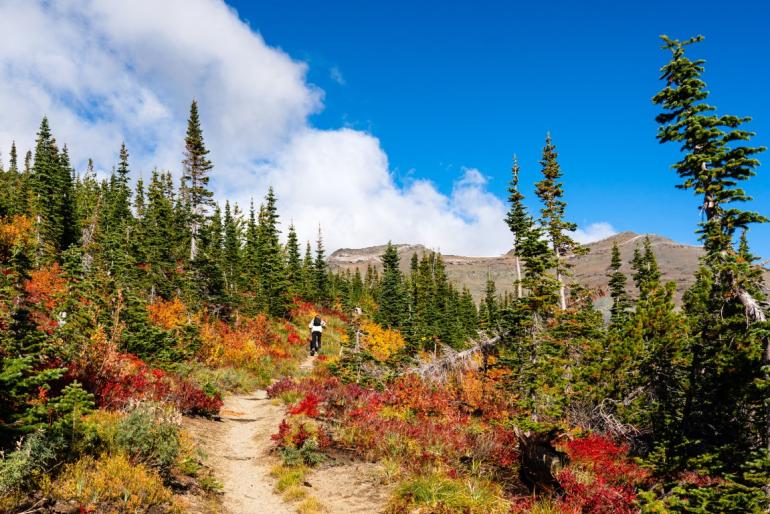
<point x="617" y="285"/>
<point x="308" y="274"/>
<point x="321" y="293"/>
<point x="392" y="297"/>
<point x="53" y="196"/>
<point x="645" y="267"/>
<point x="557" y="229"/>
<point x="293" y="263"/>
<point x="728" y="377"/>
<point x="518" y="222"/>
<point x="231" y="251"/>
<point x="272" y="272"/>
<point x="195" y="174"/>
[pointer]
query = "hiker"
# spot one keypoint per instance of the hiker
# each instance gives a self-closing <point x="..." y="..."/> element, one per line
<point x="316" y="327"/>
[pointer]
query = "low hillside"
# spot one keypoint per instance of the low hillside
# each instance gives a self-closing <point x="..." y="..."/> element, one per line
<point x="678" y="262"/>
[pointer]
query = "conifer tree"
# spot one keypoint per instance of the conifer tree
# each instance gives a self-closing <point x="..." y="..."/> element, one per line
<point x="490" y="304"/>
<point x="52" y="187"/>
<point x="140" y="204"/>
<point x="714" y="165"/>
<point x="728" y="377"/>
<point x="320" y="272"/>
<point x="70" y="230"/>
<point x="231" y="252"/>
<point x="542" y="289"/>
<point x="645" y="266"/>
<point x="557" y="229"/>
<point x="13" y="165"/>
<point x="251" y="250"/>
<point x="196" y="176"/>
<point x="118" y="222"/>
<point x="518" y="221"/>
<point x="271" y="259"/>
<point x="392" y="299"/>
<point x="308" y="274"/>
<point x="617" y="285"/>
<point x="293" y="263"/>
<point x="159" y="238"/>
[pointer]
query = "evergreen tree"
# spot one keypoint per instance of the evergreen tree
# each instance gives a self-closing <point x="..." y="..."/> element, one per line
<point x="550" y="191"/>
<point x="320" y="273"/>
<point x="196" y="176"/>
<point x="118" y="223"/>
<point x="293" y="263"/>
<point x="713" y="166"/>
<point x="13" y="165"/>
<point x="491" y="308"/>
<point x="518" y="221"/>
<point x="617" y="284"/>
<point x="251" y="250"/>
<point x="308" y="274"/>
<point x="231" y="255"/>
<point x="159" y="238"/>
<point x="727" y="413"/>
<point x="392" y="299"/>
<point x="53" y="195"/>
<point x="271" y="259"/>
<point x="645" y="266"/>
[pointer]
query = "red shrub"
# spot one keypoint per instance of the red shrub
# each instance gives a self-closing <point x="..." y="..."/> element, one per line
<point x="118" y="378"/>
<point x="596" y="497"/>
<point x="605" y="458"/>
<point x="611" y="484"/>
<point x="308" y="406"/>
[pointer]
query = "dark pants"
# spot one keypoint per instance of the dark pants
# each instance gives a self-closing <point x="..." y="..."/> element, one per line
<point x="315" y="341"/>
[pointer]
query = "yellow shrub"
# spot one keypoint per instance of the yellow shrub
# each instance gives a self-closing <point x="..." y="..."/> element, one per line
<point x="113" y="484"/>
<point x="168" y="314"/>
<point x="15" y="231"/>
<point x="382" y="343"/>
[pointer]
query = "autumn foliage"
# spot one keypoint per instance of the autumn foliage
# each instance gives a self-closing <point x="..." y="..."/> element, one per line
<point x="382" y="343"/>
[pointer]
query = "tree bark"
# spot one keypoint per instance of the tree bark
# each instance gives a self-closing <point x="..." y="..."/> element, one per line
<point x="755" y="314"/>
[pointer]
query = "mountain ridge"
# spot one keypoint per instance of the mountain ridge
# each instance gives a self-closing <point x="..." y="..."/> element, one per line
<point x="677" y="261"/>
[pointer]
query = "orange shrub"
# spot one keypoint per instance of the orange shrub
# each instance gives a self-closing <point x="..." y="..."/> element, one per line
<point x="14" y="232"/>
<point x="169" y="314"/>
<point x="241" y="344"/>
<point x="46" y="289"/>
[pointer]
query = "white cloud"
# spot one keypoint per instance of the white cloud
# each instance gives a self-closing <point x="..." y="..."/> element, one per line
<point x="110" y="70"/>
<point x="594" y="232"/>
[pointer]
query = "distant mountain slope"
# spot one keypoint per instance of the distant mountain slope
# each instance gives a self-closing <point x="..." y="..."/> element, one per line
<point x="678" y="262"/>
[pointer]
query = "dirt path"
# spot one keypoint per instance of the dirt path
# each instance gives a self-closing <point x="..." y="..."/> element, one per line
<point x="237" y="449"/>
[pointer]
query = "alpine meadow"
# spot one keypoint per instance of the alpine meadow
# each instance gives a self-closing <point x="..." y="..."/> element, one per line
<point x="175" y="337"/>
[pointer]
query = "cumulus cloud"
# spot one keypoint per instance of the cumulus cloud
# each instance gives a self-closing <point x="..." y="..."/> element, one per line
<point x="106" y="71"/>
<point x="594" y="232"/>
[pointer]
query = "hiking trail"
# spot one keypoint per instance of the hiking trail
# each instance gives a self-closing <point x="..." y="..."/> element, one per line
<point x="238" y="450"/>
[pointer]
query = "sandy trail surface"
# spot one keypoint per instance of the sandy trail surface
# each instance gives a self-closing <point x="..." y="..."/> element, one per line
<point x="238" y="450"/>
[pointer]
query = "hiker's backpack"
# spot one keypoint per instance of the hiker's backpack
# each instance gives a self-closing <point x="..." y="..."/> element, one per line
<point x="317" y="321"/>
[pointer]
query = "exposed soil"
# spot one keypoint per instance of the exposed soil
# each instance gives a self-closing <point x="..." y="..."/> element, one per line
<point x="238" y="450"/>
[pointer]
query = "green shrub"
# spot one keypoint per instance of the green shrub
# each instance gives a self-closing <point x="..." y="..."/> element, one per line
<point x="32" y="457"/>
<point x="439" y="494"/>
<point x="726" y="496"/>
<point x="149" y="433"/>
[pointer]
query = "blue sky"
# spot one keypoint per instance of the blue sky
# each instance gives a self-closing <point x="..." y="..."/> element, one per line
<point x="448" y="85"/>
<point x="389" y="120"/>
